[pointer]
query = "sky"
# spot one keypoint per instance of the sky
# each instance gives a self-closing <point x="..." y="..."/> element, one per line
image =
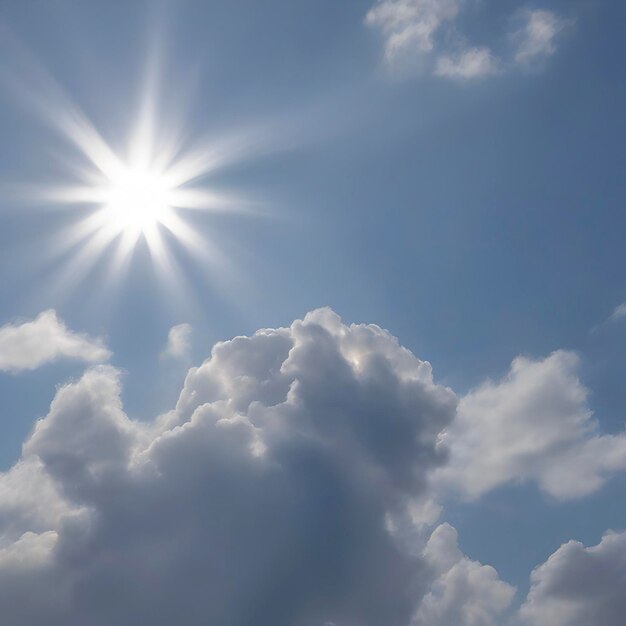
<point x="312" y="313"/>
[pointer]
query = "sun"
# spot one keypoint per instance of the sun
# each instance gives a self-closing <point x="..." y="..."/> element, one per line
<point x="137" y="200"/>
<point x="146" y="199"/>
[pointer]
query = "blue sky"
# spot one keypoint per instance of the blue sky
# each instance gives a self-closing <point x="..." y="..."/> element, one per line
<point x="448" y="170"/>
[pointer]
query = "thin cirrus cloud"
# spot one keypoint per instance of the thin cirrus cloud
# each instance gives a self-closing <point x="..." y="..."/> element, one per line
<point x="421" y="36"/>
<point x="46" y="339"/>
<point x="276" y="492"/>
<point x="619" y="313"/>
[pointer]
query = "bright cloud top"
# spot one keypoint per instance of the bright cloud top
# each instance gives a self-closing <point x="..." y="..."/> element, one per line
<point x="422" y="36"/>
<point x="45" y="339"/>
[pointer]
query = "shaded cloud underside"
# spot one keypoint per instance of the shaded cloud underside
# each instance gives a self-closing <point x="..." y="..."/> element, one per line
<point x="284" y="489"/>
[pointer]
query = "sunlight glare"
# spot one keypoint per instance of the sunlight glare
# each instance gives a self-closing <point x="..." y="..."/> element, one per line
<point x="137" y="200"/>
<point x="148" y="194"/>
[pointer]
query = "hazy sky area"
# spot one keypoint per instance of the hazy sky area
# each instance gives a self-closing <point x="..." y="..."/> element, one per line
<point x="312" y="313"/>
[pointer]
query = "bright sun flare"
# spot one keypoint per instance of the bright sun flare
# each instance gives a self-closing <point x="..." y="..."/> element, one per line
<point x="148" y="195"/>
<point x="137" y="200"/>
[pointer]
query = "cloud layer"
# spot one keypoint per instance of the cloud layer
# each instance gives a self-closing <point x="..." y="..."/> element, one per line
<point x="46" y="339"/>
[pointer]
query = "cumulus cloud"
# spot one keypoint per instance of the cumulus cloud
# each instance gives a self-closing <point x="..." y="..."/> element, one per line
<point x="470" y="64"/>
<point x="422" y="36"/>
<point x="533" y="425"/>
<point x="45" y="339"/>
<point x="464" y="592"/>
<point x="263" y="497"/>
<point x="178" y="342"/>
<point x="29" y="501"/>
<point x="579" y="586"/>
<point x="292" y="486"/>
<point x="536" y="38"/>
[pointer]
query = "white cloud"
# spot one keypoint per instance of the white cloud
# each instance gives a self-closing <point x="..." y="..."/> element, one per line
<point x="579" y="586"/>
<point x="29" y="501"/>
<point x="534" y="425"/>
<point x="470" y="64"/>
<point x="410" y="26"/>
<point x="178" y="342"/>
<point x="291" y="486"/>
<point x="536" y="38"/>
<point x="464" y="592"/>
<point x="45" y="339"/>
<point x="262" y="498"/>
<point x="421" y="36"/>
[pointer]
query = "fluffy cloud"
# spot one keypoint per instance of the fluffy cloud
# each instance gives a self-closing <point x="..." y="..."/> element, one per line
<point x="178" y="342"/>
<point x="536" y="38"/>
<point x="422" y="36"/>
<point x="262" y="498"/>
<point x="579" y="586"/>
<point x="535" y="424"/>
<point x="291" y="485"/>
<point x="464" y="592"/>
<point x="45" y="339"/>
<point x="471" y="64"/>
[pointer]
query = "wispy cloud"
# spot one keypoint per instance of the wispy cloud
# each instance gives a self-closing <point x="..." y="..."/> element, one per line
<point x="45" y="339"/>
<point x="619" y="313"/>
<point x="470" y="64"/>
<point x="536" y="39"/>
<point x="422" y="36"/>
<point x="410" y="26"/>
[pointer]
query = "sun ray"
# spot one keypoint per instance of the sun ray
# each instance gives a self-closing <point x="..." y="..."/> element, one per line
<point x="150" y="193"/>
